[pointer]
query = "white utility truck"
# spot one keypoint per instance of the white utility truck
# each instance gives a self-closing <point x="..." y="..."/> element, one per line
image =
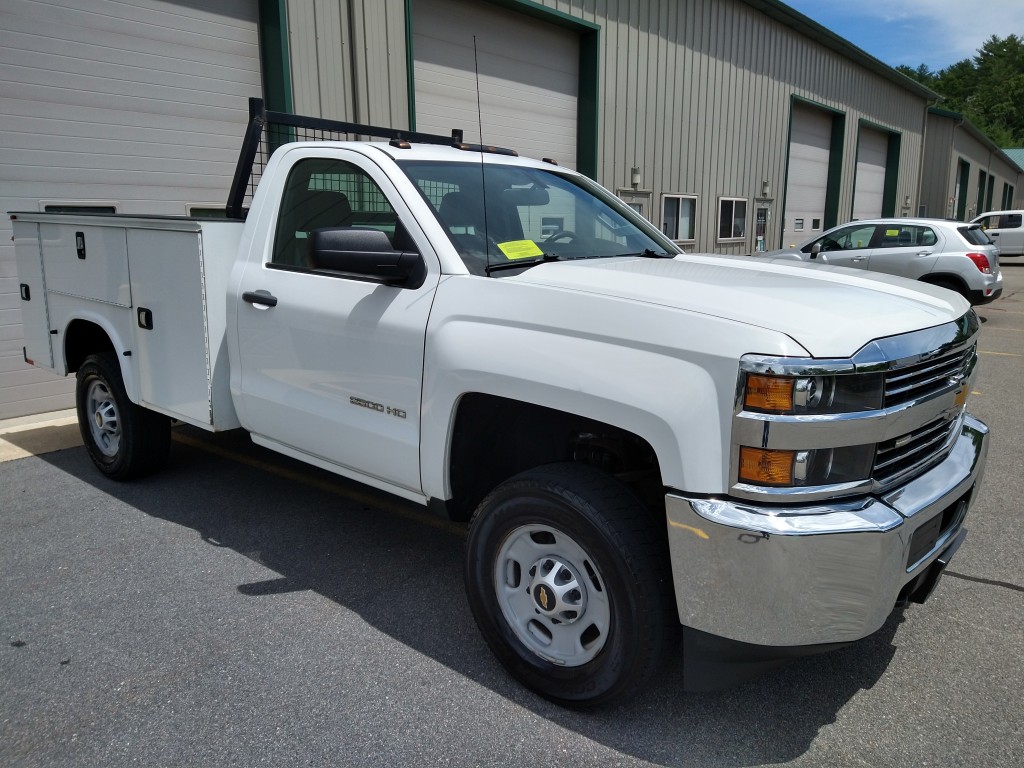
<point x="771" y="455"/>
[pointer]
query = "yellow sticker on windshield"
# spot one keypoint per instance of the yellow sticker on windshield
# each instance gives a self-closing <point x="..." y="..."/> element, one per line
<point x="892" y="233"/>
<point x="520" y="249"/>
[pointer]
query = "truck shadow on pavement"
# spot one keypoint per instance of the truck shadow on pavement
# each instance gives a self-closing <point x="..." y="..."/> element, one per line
<point x="400" y="569"/>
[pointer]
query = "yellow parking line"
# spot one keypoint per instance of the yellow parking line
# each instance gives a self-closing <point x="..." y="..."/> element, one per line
<point x="303" y="478"/>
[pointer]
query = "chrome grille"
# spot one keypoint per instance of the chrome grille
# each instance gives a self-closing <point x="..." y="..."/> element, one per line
<point x="918" y="381"/>
<point x="912" y="451"/>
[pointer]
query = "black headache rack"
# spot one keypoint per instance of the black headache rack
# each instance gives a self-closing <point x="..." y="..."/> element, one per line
<point x="268" y="130"/>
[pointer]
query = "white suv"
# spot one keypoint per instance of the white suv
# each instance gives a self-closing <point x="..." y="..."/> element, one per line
<point x="1006" y="228"/>
<point x="952" y="254"/>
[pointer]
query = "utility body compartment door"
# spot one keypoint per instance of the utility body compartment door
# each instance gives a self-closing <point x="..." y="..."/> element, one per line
<point x="32" y="287"/>
<point x="330" y="366"/>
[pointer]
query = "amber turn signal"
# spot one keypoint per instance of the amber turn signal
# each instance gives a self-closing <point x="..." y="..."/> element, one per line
<point x="769" y="393"/>
<point x="761" y="466"/>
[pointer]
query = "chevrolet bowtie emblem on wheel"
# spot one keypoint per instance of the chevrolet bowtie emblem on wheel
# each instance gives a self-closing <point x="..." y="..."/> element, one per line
<point x="542" y="597"/>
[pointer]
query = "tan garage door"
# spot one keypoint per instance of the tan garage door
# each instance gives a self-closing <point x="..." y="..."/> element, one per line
<point x="529" y="77"/>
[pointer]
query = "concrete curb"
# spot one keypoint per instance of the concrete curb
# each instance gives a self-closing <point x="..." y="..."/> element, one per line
<point x="38" y="434"/>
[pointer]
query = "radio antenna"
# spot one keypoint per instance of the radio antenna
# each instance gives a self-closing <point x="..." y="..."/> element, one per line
<point x="483" y="178"/>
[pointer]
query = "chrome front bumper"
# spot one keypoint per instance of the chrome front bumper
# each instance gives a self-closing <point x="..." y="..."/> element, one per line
<point x="827" y="573"/>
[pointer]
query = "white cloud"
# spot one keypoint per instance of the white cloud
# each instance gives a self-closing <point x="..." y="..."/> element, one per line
<point x="934" y="32"/>
<point x="951" y="28"/>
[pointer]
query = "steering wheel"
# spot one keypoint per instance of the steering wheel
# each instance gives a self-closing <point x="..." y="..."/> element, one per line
<point x="562" y="234"/>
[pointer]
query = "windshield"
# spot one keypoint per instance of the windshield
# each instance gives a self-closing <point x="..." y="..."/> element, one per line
<point x="523" y="216"/>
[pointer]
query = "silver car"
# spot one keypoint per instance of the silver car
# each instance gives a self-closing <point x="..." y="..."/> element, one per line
<point x="952" y="254"/>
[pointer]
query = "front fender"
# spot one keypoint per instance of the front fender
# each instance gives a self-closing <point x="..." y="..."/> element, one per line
<point x="665" y="375"/>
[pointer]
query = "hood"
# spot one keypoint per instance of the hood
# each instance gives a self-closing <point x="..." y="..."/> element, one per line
<point x="830" y="311"/>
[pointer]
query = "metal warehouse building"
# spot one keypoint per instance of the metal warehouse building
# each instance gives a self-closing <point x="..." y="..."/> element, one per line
<point x="734" y="125"/>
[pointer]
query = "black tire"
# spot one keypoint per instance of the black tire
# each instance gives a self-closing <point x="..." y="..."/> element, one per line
<point x="581" y="528"/>
<point x="124" y="440"/>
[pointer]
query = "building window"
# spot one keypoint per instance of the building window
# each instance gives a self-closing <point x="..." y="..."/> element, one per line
<point x="798" y="225"/>
<point x="678" y="213"/>
<point x="815" y="224"/>
<point x="732" y="218"/>
<point x="76" y="208"/>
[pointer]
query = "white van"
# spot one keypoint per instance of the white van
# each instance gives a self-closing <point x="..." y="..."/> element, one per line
<point x="1006" y="228"/>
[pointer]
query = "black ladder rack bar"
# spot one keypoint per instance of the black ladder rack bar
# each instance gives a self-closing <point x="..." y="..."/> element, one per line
<point x="260" y="118"/>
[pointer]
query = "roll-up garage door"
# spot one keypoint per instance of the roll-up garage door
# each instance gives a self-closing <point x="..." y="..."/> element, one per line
<point x="807" y="181"/>
<point x="528" y="76"/>
<point x="869" y="186"/>
<point x="134" y="107"/>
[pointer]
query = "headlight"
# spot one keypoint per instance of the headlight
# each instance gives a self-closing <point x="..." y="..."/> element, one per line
<point x="777" y="397"/>
<point x="813" y="394"/>
<point x="820" y="466"/>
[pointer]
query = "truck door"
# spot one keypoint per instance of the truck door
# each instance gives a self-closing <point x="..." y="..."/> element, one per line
<point x="331" y="365"/>
<point x="1008" y="233"/>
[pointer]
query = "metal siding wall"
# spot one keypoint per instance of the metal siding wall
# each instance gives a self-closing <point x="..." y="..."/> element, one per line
<point x="695" y="92"/>
<point x="981" y="158"/>
<point x="939" y="168"/>
<point x="349" y="60"/>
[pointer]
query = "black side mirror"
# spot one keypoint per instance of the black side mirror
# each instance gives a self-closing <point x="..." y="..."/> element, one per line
<point x="364" y="254"/>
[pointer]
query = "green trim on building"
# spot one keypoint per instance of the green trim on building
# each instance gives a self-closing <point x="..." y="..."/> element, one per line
<point x="542" y="12"/>
<point x="835" y="170"/>
<point x="587" y="114"/>
<point x="965" y="180"/>
<point x="410" y="61"/>
<point x="274" y="55"/>
<point x="892" y="174"/>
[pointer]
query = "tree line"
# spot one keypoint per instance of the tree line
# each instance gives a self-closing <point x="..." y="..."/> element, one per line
<point x="987" y="89"/>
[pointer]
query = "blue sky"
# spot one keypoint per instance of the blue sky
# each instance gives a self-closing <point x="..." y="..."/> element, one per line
<point x="913" y="32"/>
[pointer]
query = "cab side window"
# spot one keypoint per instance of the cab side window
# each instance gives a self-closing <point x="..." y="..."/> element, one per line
<point x="1009" y="221"/>
<point x="322" y="193"/>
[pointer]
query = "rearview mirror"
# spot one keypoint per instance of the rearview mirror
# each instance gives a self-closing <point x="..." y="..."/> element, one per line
<point x="364" y="254"/>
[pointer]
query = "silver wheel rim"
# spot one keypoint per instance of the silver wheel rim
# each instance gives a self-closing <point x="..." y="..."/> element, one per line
<point x="552" y="595"/>
<point x="104" y="423"/>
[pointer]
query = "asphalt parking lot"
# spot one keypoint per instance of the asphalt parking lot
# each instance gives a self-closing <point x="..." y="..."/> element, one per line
<point x="242" y="609"/>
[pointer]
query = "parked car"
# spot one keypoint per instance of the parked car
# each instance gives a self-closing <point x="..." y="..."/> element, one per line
<point x="1006" y="228"/>
<point x="951" y="254"/>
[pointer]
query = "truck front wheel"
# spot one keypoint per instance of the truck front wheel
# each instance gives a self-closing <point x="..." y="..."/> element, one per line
<point x="568" y="578"/>
<point x="124" y="440"/>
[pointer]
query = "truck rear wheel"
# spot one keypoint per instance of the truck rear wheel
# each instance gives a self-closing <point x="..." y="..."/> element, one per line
<point x="569" y="582"/>
<point x="124" y="440"/>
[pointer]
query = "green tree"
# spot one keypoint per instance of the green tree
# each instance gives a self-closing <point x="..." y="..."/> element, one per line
<point x="988" y="89"/>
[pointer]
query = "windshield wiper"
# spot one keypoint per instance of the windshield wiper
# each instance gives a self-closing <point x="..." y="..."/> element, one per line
<point x="649" y="253"/>
<point x="521" y="263"/>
